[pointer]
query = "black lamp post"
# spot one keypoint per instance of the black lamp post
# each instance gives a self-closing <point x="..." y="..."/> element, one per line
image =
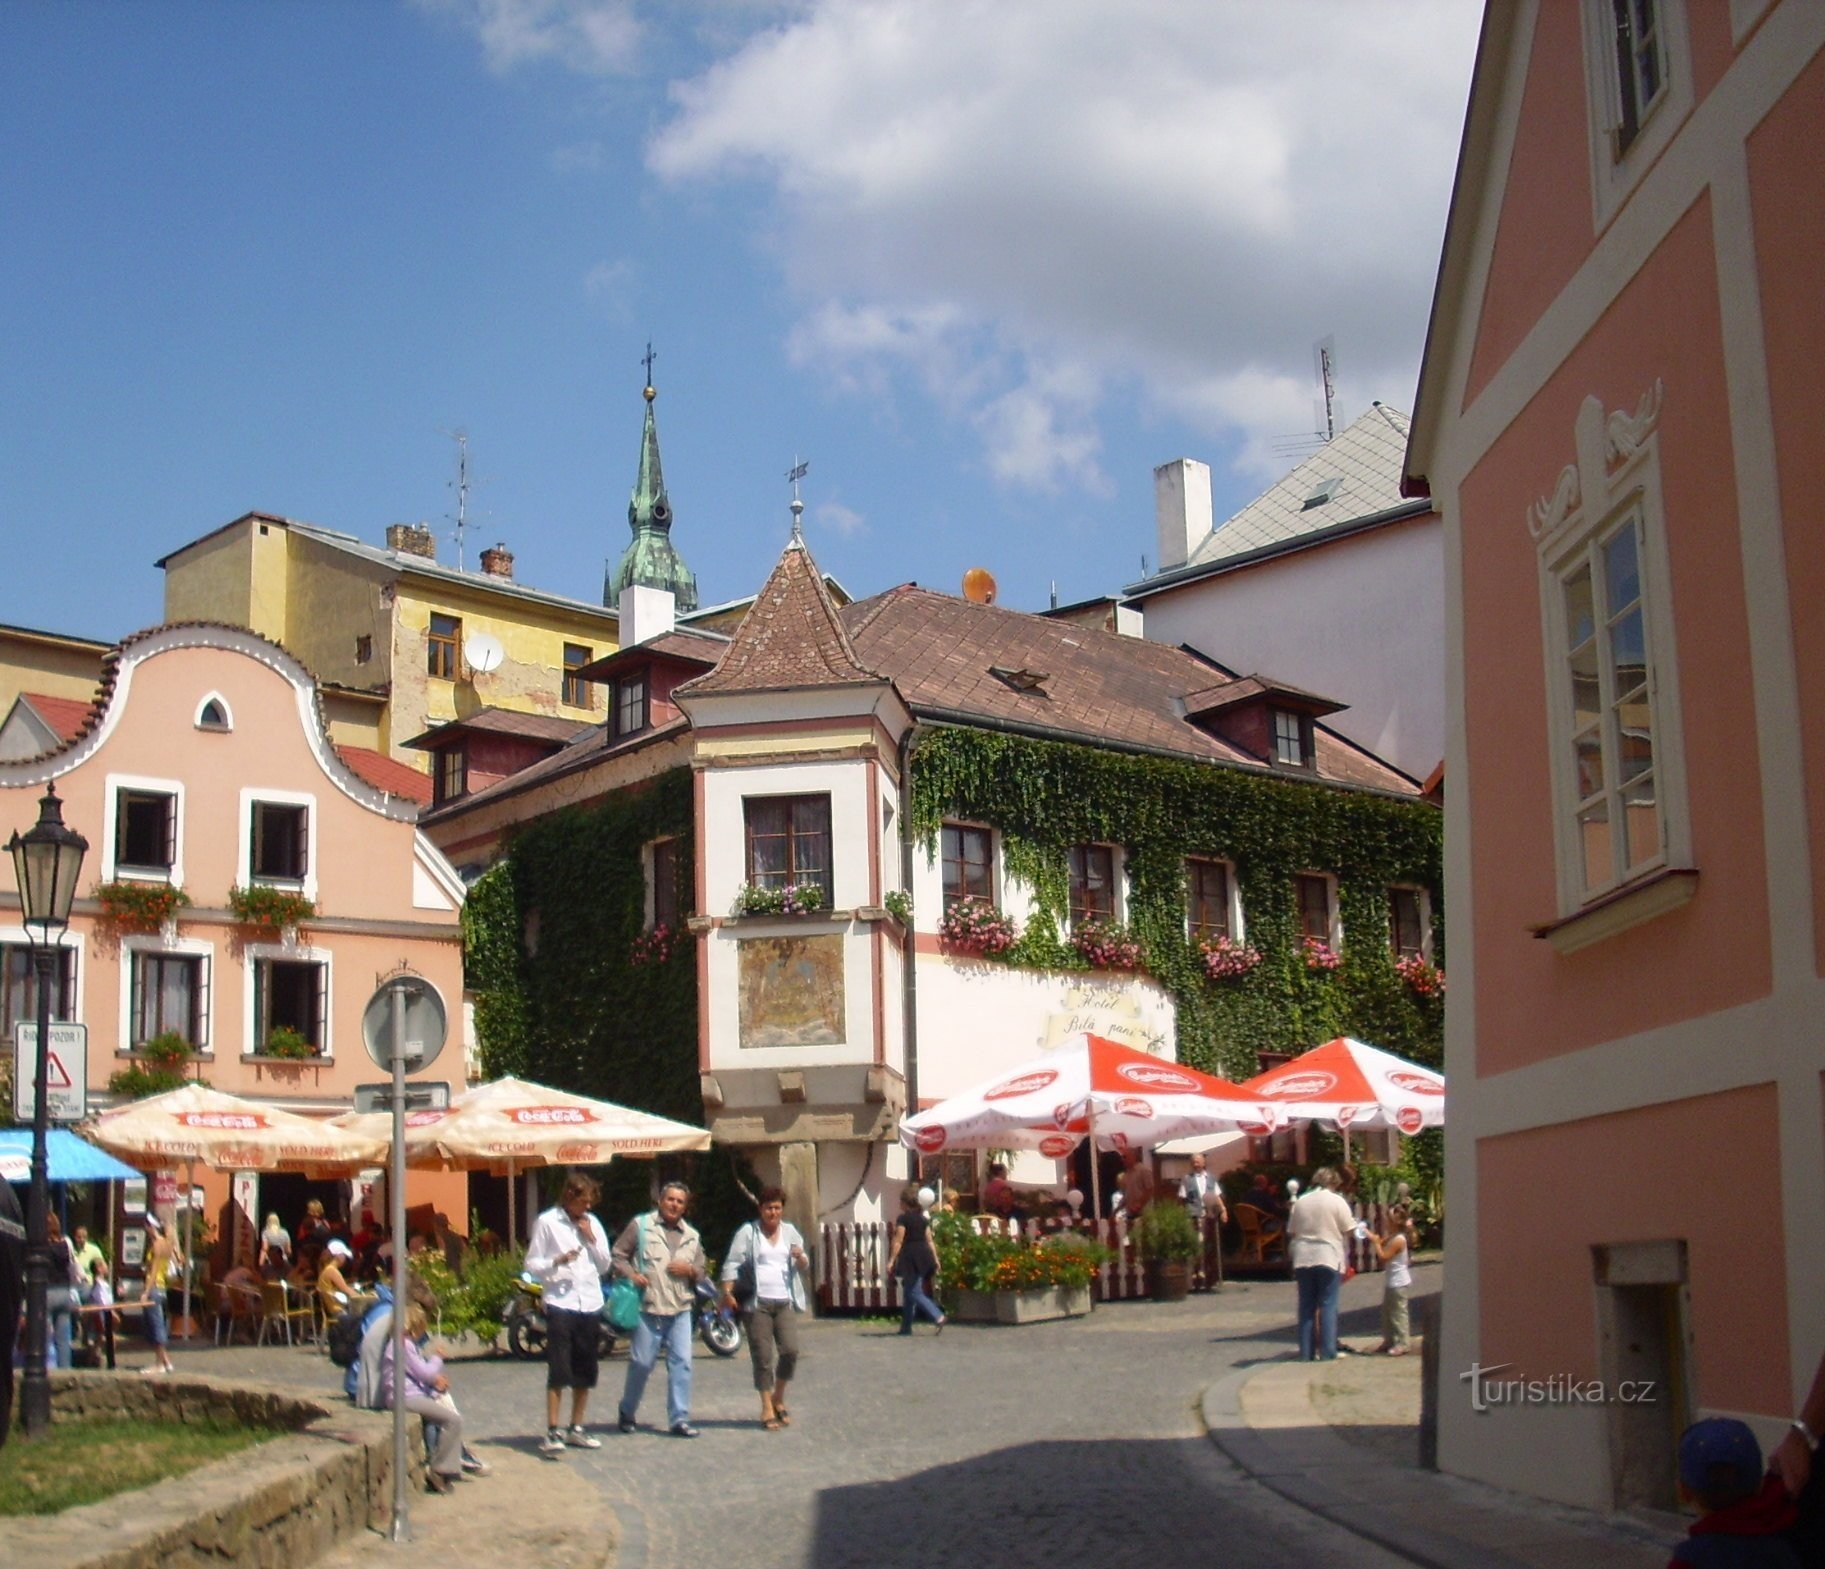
<point x="47" y="859"/>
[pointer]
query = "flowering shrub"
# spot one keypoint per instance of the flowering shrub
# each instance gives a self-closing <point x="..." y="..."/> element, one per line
<point x="1320" y="955"/>
<point x="283" y="1041"/>
<point x="1225" y="959"/>
<point x="899" y="906"/>
<point x="1106" y="945"/>
<point x="140" y="907"/>
<point x="1422" y="975"/>
<point x="974" y="925"/>
<point x="787" y="899"/>
<point x="656" y="946"/>
<point x="272" y="909"/>
<point x="1064" y="1260"/>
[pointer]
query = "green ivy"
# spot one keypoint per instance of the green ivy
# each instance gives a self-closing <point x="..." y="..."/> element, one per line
<point x="1046" y="796"/>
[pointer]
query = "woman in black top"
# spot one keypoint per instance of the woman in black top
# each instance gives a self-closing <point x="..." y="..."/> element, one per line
<point x="914" y="1257"/>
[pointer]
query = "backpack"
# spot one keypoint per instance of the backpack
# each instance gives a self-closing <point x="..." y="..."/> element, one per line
<point x="345" y="1336"/>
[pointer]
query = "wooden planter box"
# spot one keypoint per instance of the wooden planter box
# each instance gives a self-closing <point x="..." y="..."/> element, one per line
<point x="1021" y="1307"/>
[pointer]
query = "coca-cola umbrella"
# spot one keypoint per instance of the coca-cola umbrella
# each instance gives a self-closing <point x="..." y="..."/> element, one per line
<point x="1355" y="1085"/>
<point x="199" y="1124"/>
<point x="509" y="1124"/>
<point x="1087" y="1086"/>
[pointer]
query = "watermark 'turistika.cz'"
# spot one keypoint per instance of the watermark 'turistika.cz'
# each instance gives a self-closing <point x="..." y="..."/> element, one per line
<point x="1560" y="1389"/>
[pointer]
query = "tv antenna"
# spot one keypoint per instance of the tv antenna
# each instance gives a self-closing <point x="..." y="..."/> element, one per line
<point x="1324" y="407"/>
<point x="461" y="486"/>
<point x="794" y="474"/>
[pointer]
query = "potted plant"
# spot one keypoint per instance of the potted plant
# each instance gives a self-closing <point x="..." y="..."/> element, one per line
<point x="139" y="907"/>
<point x="973" y="925"/>
<point x="787" y="899"/>
<point x="1106" y="945"/>
<point x="159" y="1066"/>
<point x="283" y="1041"/>
<point x="1168" y="1240"/>
<point x="269" y="909"/>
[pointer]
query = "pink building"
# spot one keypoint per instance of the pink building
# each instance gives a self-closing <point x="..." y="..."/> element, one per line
<point x="204" y="765"/>
<point x="1618" y="419"/>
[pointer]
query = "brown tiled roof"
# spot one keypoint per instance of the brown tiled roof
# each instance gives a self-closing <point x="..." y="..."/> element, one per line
<point x="1099" y="688"/>
<point x="1246" y="689"/>
<point x="793" y="637"/>
<point x="505" y="721"/>
<point x="681" y="643"/>
<point x="585" y="751"/>
<point x="387" y="773"/>
<point x="65" y="715"/>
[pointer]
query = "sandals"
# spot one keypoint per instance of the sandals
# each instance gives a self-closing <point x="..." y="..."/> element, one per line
<point x="782" y="1416"/>
<point x="771" y="1424"/>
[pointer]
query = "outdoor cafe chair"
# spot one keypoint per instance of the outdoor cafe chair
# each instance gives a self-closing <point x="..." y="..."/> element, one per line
<point x="236" y="1305"/>
<point x="1258" y="1243"/>
<point x="284" y="1308"/>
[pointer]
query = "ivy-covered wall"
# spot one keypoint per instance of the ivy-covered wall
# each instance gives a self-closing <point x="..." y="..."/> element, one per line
<point x="1046" y="796"/>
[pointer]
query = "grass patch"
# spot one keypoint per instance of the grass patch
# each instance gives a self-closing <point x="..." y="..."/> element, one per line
<point x="76" y="1463"/>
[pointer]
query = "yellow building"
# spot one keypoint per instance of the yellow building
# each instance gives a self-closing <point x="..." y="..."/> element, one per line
<point x="401" y="642"/>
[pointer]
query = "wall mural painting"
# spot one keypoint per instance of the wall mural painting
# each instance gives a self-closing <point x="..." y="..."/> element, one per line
<point x="792" y="991"/>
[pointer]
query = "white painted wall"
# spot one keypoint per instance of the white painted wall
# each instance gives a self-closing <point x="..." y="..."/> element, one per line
<point x="1360" y="620"/>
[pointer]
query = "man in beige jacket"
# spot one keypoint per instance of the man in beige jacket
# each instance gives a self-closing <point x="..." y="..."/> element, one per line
<point x="663" y="1255"/>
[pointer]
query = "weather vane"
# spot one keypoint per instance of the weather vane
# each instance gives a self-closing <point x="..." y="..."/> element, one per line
<point x="795" y="474"/>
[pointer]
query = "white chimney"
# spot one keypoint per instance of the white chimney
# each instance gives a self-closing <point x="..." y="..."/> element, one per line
<point x="1181" y="504"/>
<point x="645" y="613"/>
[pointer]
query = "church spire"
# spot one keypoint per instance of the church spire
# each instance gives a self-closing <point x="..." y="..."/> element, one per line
<point x="651" y="560"/>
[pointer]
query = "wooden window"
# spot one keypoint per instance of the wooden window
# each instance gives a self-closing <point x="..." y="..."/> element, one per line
<point x="452" y="774"/>
<point x="789" y="841"/>
<point x="630" y="704"/>
<point x="280" y="844"/>
<point x="1640" y="66"/>
<point x="145" y="831"/>
<point x="1293" y="741"/>
<point x="1313" y="894"/>
<point x="670" y="902"/>
<point x="1092" y="883"/>
<point x="169" y="996"/>
<point x="969" y="863"/>
<point x="1207" y="885"/>
<point x="291" y="994"/>
<point x="364" y="648"/>
<point x="1407" y="923"/>
<point x="442" y="646"/>
<point x="578" y="693"/>
<point x="19" y="987"/>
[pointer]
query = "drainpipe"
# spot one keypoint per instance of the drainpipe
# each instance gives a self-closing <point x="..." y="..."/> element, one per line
<point x="909" y="986"/>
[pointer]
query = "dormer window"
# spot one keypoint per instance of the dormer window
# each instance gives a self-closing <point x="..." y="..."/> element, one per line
<point x="630" y="704"/>
<point x="1323" y="492"/>
<point x="451" y="776"/>
<point x="1293" y="744"/>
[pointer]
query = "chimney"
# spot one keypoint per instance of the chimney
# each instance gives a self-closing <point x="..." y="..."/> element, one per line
<point x="1181" y="504"/>
<point x="412" y="539"/>
<point x="645" y="613"/>
<point x="498" y="561"/>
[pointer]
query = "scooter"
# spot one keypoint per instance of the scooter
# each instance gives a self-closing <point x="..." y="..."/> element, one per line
<point x="719" y="1327"/>
<point x="524" y="1322"/>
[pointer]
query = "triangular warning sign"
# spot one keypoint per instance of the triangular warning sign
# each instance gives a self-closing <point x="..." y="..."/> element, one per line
<point x="56" y="1076"/>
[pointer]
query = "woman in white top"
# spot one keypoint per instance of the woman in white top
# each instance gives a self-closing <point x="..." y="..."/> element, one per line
<point x="1318" y="1231"/>
<point x="771" y="1252"/>
<point x="1395" y="1249"/>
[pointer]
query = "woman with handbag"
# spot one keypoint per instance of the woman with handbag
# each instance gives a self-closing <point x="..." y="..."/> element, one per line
<point x="761" y="1278"/>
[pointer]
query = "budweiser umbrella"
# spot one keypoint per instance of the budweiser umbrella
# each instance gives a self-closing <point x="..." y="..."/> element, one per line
<point x="1087" y="1086"/>
<point x="197" y="1123"/>
<point x="510" y="1124"/>
<point x="1355" y="1086"/>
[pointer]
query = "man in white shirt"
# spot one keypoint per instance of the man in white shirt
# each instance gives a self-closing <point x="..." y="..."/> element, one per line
<point x="1202" y="1194"/>
<point x="568" y="1254"/>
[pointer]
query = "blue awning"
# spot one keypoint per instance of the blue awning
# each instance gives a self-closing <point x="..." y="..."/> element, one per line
<point x="72" y="1159"/>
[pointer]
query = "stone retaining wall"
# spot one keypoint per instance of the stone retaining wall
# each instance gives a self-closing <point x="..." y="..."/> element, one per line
<point x="278" y="1504"/>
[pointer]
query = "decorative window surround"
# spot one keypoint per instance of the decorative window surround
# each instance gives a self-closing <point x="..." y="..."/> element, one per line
<point x="177" y="948"/>
<point x="1613" y="486"/>
<point x="253" y="955"/>
<point x="213" y="713"/>
<point x="1618" y="911"/>
<point x="307" y="884"/>
<point x="1616" y="170"/>
<point x="72" y="948"/>
<point x="111" y="870"/>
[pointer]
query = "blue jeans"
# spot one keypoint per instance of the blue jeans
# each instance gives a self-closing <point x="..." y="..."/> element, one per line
<point x="673" y="1332"/>
<point x="156" y="1330"/>
<point x="914" y="1300"/>
<point x="60" y="1303"/>
<point x="1318" y="1288"/>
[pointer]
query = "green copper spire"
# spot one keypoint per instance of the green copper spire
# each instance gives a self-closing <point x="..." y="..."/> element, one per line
<point x="650" y="560"/>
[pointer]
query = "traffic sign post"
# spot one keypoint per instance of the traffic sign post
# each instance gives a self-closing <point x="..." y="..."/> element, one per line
<point x="403" y="1023"/>
<point x="66" y="1070"/>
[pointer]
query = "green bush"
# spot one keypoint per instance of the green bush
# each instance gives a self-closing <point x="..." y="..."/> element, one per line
<point x="1166" y="1232"/>
<point x="476" y="1303"/>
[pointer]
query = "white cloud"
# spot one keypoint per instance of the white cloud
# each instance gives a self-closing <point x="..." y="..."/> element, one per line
<point x="1012" y="206"/>
<point x="838" y="518"/>
<point x="579" y="158"/>
<point x="610" y="286"/>
<point x="593" y="37"/>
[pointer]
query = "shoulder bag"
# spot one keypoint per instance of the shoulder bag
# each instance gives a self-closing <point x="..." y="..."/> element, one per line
<point x="746" y="1286"/>
<point x="625" y="1299"/>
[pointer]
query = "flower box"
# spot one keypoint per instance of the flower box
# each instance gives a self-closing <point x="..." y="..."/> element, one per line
<point x="787" y="899"/>
<point x="1041" y="1303"/>
<point x="974" y="926"/>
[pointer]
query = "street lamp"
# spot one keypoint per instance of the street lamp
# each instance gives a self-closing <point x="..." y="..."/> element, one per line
<point x="47" y="858"/>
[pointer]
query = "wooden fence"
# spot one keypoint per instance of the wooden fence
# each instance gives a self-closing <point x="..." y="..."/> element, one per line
<point x="852" y="1260"/>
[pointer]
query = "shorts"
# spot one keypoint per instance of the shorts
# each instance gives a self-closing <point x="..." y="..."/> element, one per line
<point x="570" y="1349"/>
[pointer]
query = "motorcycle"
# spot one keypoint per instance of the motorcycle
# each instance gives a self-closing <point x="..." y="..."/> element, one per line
<point x="720" y="1328"/>
<point x="524" y="1322"/>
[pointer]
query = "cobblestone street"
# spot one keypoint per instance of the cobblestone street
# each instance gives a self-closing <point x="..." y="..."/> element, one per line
<point x="1075" y="1443"/>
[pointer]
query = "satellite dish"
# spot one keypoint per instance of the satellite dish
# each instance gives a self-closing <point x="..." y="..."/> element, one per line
<point x="979" y="586"/>
<point x="483" y="651"/>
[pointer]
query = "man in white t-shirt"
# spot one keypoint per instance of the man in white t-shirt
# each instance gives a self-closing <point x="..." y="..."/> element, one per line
<point x="568" y="1254"/>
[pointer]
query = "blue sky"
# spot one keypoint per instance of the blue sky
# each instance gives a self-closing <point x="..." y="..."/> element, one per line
<point x="983" y="265"/>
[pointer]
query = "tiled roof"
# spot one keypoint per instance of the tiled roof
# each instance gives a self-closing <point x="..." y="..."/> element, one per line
<point x="387" y="773"/>
<point x="506" y="721"/>
<point x="65" y="715"/>
<point x="1099" y="688"/>
<point x="585" y="751"/>
<point x="685" y="643"/>
<point x="793" y="637"/>
<point x="1227" y="694"/>
<point x="1354" y="476"/>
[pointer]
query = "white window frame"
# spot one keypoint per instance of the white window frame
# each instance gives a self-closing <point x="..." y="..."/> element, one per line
<point x="252" y="956"/>
<point x="111" y="871"/>
<point x="1333" y="907"/>
<point x="1425" y="918"/>
<point x="176" y="948"/>
<point x="1607" y="499"/>
<point x="307" y="885"/>
<point x="227" y="723"/>
<point x="1614" y="174"/>
<point x="18" y="937"/>
<point x="1237" y="932"/>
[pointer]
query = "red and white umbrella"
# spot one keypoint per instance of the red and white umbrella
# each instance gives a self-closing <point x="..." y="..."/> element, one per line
<point x="1087" y="1083"/>
<point x="1355" y="1086"/>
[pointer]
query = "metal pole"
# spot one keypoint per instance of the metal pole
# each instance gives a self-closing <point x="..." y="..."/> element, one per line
<point x="35" y="1396"/>
<point x="189" y="1239"/>
<point x="402" y="1526"/>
